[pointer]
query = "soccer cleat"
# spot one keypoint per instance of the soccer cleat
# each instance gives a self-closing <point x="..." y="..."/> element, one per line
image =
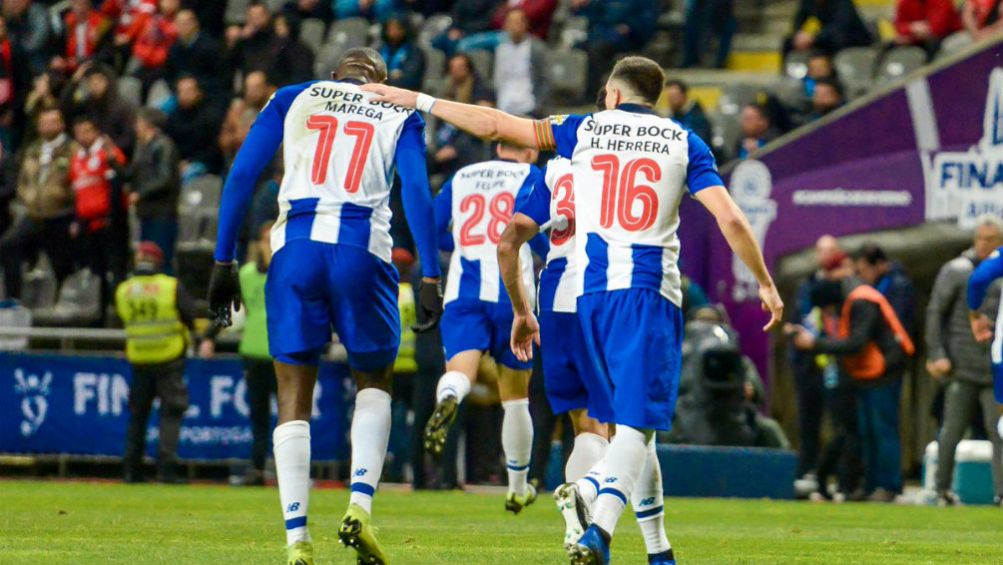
<point x="947" y="498"/>
<point x="438" y="425"/>
<point x="515" y="503"/>
<point x="591" y="549"/>
<point x="300" y="553"/>
<point x="663" y="558"/>
<point x="359" y="534"/>
<point x="572" y="507"/>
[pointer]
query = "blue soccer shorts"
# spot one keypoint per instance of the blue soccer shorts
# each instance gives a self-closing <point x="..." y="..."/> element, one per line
<point x="475" y="325"/>
<point x="566" y="361"/>
<point x="314" y="287"/>
<point x="635" y="340"/>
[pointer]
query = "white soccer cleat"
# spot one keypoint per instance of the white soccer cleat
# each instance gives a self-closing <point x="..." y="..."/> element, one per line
<point x="576" y="514"/>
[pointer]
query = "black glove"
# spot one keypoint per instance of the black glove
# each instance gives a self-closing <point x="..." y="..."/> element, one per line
<point x="429" y="306"/>
<point x="224" y="292"/>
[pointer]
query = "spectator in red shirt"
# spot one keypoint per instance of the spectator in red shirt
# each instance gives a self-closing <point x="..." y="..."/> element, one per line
<point x="925" y="22"/>
<point x="539" y="12"/>
<point x="85" y="33"/>
<point x="154" y="41"/>
<point x="982" y="18"/>
<point x="94" y="177"/>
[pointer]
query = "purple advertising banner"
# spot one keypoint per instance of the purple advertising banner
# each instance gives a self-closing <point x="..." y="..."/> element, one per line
<point x="929" y="150"/>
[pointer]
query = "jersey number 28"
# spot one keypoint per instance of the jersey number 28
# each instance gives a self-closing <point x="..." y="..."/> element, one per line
<point x="328" y="128"/>
<point x="501" y="209"/>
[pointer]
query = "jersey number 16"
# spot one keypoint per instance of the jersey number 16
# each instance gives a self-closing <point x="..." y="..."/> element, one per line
<point x="328" y="128"/>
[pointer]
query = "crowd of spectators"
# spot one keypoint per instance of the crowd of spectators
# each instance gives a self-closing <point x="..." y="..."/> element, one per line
<point x="857" y="308"/>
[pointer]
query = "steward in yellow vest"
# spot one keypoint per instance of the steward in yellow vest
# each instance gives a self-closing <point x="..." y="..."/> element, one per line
<point x="157" y="314"/>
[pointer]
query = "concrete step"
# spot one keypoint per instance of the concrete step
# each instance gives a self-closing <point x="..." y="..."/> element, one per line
<point x="756" y="42"/>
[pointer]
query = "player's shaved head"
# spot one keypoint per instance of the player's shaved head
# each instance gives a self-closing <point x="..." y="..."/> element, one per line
<point x="641" y="76"/>
<point x="362" y="63"/>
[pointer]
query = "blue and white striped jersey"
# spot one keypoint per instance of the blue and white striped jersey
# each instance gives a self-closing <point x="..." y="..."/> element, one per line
<point x="479" y="202"/>
<point x="340" y="154"/>
<point x="552" y="206"/>
<point x="630" y="169"/>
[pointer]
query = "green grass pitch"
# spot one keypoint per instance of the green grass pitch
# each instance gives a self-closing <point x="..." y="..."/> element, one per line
<point x="83" y="523"/>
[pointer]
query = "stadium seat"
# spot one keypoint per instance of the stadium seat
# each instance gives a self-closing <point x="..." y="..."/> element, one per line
<point x="567" y="71"/>
<point x="312" y="33"/>
<point x="202" y="192"/>
<point x="899" y="62"/>
<point x="327" y="60"/>
<point x="574" y="31"/>
<point x="160" y="92"/>
<point x="348" y="33"/>
<point x="38" y="286"/>
<point x="726" y="133"/>
<point x="79" y="302"/>
<point x="796" y="65"/>
<point x="791" y="92"/>
<point x="434" y="26"/>
<point x="275" y="5"/>
<point x="855" y="67"/>
<point x="131" y="89"/>
<point x="435" y="66"/>
<point x="736" y="95"/>
<point x="953" y="43"/>
<point x="236" y="11"/>
<point x="483" y="63"/>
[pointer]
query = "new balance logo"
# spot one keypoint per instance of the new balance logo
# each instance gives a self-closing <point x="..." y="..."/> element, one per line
<point x="610" y="480"/>
<point x="648" y="501"/>
<point x="293" y="507"/>
<point x="361" y="472"/>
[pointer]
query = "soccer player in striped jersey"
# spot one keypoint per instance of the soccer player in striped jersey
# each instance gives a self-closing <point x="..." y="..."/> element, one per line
<point x="331" y="269"/>
<point x="566" y="362"/>
<point x="631" y="168"/>
<point x="478" y="203"/>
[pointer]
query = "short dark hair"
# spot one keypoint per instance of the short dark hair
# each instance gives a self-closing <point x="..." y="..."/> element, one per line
<point x="364" y="63"/>
<point x="871" y="253"/>
<point x="81" y="119"/>
<point x="761" y="110"/>
<point x="831" y="82"/>
<point x="644" y="76"/>
<point x="152" y="116"/>
<point x="678" y="83"/>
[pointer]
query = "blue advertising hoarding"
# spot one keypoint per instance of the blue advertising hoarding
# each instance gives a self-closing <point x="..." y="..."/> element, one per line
<point x="79" y="405"/>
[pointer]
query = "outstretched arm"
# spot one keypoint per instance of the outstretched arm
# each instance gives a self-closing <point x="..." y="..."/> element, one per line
<point x="978" y="284"/>
<point x="742" y="241"/>
<point x="483" y="122"/>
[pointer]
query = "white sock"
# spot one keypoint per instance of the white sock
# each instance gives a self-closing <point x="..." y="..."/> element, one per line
<point x="624" y="462"/>
<point x="291" y="443"/>
<point x="370" y="435"/>
<point x="588" y="450"/>
<point x="648" y="501"/>
<point x="517" y="442"/>
<point x="453" y="383"/>
<point x="588" y="486"/>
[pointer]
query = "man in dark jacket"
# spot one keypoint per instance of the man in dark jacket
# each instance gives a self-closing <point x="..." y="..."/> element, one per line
<point x="615" y="26"/>
<point x="194" y="127"/>
<point x="875" y="268"/>
<point x="686" y="110"/>
<point x="874" y="350"/>
<point x="405" y="59"/>
<point x="94" y="91"/>
<point x="953" y="353"/>
<point x="827" y="25"/>
<point x="194" y="54"/>
<point x="156" y="183"/>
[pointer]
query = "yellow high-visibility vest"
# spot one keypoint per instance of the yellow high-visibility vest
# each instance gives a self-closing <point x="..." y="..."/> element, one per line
<point x="148" y="306"/>
<point x="406" y="362"/>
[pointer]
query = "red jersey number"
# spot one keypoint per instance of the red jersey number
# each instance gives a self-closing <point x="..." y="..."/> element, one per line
<point x="328" y="128"/>
<point x="500" y="209"/>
